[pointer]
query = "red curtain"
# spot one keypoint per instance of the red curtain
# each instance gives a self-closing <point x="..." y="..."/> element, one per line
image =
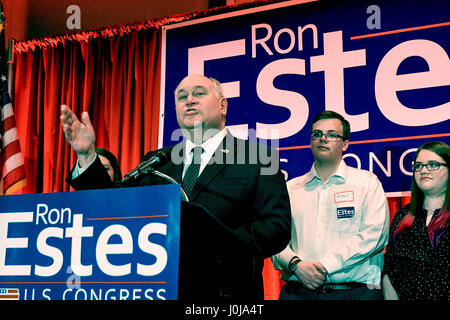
<point x="114" y="74"/>
<point x="115" y="79"/>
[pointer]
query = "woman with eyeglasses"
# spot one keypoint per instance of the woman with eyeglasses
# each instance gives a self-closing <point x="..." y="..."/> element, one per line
<point x="417" y="260"/>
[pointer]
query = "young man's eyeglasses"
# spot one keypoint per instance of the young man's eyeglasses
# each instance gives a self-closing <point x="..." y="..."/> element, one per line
<point x="431" y="166"/>
<point x="331" y="136"/>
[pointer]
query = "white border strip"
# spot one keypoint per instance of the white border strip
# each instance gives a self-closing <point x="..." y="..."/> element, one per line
<point x="163" y="89"/>
<point x="202" y="20"/>
<point x="239" y="13"/>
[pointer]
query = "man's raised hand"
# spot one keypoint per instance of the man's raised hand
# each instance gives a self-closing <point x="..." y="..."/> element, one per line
<point x="79" y="134"/>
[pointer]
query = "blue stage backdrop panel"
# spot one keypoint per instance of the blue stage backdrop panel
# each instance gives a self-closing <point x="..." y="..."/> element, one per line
<point x="383" y="64"/>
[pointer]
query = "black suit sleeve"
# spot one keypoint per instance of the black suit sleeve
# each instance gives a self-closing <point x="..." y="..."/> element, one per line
<point x="94" y="177"/>
<point x="270" y="231"/>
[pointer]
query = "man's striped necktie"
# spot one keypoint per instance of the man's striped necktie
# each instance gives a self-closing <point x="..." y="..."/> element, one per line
<point x="191" y="174"/>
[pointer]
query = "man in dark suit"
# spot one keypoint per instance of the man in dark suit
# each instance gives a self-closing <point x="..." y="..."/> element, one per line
<point x="239" y="183"/>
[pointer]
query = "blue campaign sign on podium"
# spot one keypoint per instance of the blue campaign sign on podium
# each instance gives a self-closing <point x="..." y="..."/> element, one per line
<point x="112" y="244"/>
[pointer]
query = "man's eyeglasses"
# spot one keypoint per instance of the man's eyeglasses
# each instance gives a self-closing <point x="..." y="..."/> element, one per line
<point x="331" y="136"/>
<point x="431" y="166"/>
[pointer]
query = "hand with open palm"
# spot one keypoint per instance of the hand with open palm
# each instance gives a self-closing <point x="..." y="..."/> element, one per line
<point x="79" y="134"/>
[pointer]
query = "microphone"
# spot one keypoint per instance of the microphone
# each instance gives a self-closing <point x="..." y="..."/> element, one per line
<point x="145" y="166"/>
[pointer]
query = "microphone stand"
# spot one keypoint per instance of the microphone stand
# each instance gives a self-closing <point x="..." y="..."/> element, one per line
<point x="151" y="170"/>
<point x="171" y="180"/>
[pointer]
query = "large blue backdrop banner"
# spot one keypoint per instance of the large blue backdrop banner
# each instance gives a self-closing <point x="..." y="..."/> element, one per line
<point x="113" y="244"/>
<point x="384" y="65"/>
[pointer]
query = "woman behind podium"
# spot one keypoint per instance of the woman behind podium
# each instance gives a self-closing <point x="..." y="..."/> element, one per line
<point x="110" y="163"/>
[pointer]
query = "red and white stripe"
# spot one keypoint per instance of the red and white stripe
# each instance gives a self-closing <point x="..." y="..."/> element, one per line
<point x="13" y="173"/>
<point x="9" y="294"/>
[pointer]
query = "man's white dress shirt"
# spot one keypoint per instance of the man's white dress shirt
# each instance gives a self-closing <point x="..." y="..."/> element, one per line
<point x="343" y="224"/>
<point x="209" y="147"/>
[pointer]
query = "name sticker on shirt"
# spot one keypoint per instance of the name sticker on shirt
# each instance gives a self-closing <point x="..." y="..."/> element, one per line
<point x="346" y="196"/>
<point x="346" y="212"/>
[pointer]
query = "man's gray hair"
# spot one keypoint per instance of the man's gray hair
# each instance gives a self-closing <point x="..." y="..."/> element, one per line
<point x="217" y="87"/>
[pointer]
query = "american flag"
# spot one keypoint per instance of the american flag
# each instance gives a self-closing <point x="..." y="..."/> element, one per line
<point x="9" y="294"/>
<point x="11" y="160"/>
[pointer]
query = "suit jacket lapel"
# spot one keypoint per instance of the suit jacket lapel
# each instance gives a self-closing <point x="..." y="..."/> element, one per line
<point x="175" y="170"/>
<point x="215" y="165"/>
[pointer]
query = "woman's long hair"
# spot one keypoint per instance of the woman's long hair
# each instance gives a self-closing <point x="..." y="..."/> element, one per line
<point x="441" y="220"/>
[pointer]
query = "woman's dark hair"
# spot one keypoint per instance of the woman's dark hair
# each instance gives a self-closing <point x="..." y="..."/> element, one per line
<point x="328" y="114"/>
<point x="113" y="161"/>
<point x="439" y="224"/>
